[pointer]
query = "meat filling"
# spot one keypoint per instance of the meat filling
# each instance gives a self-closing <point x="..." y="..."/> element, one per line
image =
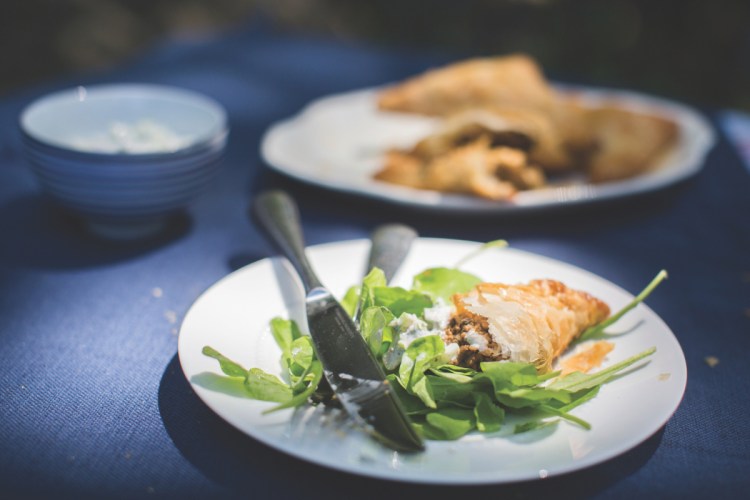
<point x="471" y="333"/>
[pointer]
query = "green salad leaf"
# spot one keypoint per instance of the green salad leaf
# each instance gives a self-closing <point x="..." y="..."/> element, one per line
<point x="266" y="387"/>
<point x="578" y="381"/>
<point x="259" y="384"/>
<point x="598" y="330"/>
<point x="449" y="392"/>
<point x="399" y="300"/>
<point x="374" y="279"/>
<point x="421" y="355"/>
<point x="534" y="425"/>
<point x="444" y="282"/>
<point x="302" y="397"/>
<point x="284" y="332"/>
<point x="350" y="300"/>
<point x="449" y="423"/>
<point x="374" y="324"/>
<point x="229" y="367"/>
<point x="488" y="415"/>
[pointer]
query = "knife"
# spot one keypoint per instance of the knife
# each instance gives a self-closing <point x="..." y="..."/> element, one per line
<point x="390" y="244"/>
<point x="348" y="364"/>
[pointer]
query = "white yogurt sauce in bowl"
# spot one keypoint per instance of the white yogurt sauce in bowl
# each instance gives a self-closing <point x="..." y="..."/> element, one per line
<point x="124" y="119"/>
<point x="142" y="137"/>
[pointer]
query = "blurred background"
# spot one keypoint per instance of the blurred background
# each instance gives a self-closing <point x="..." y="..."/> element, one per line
<point x="692" y="50"/>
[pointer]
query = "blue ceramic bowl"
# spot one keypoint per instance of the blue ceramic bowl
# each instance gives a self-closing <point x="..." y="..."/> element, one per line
<point x="125" y="157"/>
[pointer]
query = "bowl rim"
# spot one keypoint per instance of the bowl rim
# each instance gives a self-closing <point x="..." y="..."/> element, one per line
<point x="35" y="140"/>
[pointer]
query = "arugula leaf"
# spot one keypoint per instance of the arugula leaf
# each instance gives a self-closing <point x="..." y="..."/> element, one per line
<point x="597" y="330"/>
<point x="363" y="292"/>
<point x="301" y="356"/>
<point x="266" y="387"/>
<point x="350" y="300"/>
<point x="450" y="392"/>
<point x="450" y="423"/>
<point x="577" y="381"/>
<point x="534" y="425"/>
<point x="284" y="332"/>
<point x="577" y="399"/>
<point x="525" y="397"/>
<point x="422" y="388"/>
<point x="516" y="385"/>
<point x="412" y="404"/>
<point x="229" y="367"/>
<point x="457" y="374"/>
<point x="399" y="300"/>
<point x="374" y="279"/>
<point x="444" y="282"/>
<point x="420" y="355"/>
<point x="374" y="324"/>
<point x="508" y="374"/>
<point x="316" y="373"/>
<point x="489" y="416"/>
<point x="563" y="414"/>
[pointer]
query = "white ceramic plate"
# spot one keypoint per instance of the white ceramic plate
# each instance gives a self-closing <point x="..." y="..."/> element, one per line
<point x="338" y="142"/>
<point x="233" y="316"/>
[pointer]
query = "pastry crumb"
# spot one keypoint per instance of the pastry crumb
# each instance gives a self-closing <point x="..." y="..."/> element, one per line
<point x="712" y="361"/>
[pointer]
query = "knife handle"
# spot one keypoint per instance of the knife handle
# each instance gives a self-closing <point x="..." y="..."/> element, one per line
<point x="276" y="213"/>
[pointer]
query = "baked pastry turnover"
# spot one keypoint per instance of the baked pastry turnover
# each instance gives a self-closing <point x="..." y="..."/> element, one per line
<point x="504" y="129"/>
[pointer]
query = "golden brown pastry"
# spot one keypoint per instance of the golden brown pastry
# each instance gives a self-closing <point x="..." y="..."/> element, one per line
<point x="532" y="323"/>
<point x="402" y="168"/>
<point x="522" y="128"/>
<point x="628" y="143"/>
<point x="475" y="168"/>
<point x="514" y="80"/>
<point x="491" y="104"/>
<point x="512" y="88"/>
<point x="468" y="126"/>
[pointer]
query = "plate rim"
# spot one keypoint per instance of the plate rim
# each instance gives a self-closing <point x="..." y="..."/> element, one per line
<point x="572" y="466"/>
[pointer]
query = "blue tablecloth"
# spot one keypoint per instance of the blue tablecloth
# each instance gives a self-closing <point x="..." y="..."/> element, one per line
<point x="92" y="399"/>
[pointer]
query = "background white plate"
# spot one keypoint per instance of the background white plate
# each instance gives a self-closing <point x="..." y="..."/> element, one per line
<point x="233" y="315"/>
<point x="338" y="142"/>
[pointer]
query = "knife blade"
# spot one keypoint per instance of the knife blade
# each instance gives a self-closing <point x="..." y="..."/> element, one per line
<point x="348" y="364"/>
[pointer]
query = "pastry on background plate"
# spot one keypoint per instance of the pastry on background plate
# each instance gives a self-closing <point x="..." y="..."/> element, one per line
<point x="506" y="129"/>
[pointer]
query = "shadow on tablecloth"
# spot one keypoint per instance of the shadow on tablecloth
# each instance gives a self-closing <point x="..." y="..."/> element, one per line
<point x="38" y="234"/>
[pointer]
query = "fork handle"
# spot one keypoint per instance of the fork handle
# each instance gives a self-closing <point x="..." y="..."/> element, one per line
<point x="277" y="215"/>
